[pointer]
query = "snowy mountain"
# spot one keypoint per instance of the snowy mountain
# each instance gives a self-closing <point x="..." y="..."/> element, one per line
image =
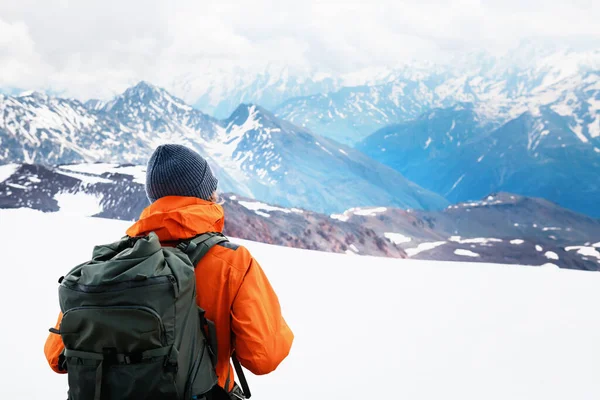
<point x="219" y="92"/>
<point x="352" y="113"/>
<point x="501" y="88"/>
<point x="147" y="108"/>
<point x="287" y="165"/>
<point x="253" y="153"/>
<point x="541" y="153"/>
<point x="35" y="127"/>
<point x="436" y="329"/>
<point x="502" y="228"/>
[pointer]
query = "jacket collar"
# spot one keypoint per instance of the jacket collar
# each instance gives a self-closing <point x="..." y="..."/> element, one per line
<point x="175" y="218"/>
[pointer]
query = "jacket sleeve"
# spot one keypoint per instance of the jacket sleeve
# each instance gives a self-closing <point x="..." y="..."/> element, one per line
<point x="262" y="337"/>
<point x="53" y="347"/>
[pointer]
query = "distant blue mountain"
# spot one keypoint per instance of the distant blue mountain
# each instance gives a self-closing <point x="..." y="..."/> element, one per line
<point x="551" y="152"/>
<point x="353" y="113"/>
<point x="432" y="149"/>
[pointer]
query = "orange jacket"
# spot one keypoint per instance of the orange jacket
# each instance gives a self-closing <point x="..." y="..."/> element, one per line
<point x="231" y="287"/>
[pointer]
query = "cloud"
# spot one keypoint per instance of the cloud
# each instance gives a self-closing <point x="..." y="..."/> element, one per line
<point x="19" y="62"/>
<point x="87" y="49"/>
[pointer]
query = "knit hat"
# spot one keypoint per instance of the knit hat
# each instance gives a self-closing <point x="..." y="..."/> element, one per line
<point x="175" y="170"/>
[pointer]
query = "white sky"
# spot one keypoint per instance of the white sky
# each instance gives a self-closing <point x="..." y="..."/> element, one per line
<point x="88" y="48"/>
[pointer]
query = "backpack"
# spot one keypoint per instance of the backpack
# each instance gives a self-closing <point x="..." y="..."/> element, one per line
<point x="131" y="326"/>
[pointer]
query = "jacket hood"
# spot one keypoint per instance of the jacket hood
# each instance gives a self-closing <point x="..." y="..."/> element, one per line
<point x="175" y="218"/>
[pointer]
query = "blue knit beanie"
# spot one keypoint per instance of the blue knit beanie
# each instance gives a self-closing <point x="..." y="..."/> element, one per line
<point x="175" y="170"/>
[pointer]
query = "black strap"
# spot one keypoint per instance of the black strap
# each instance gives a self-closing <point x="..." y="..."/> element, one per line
<point x="85" y="355"/>
<point x="240" y="373"/>
<point x="99" y="373"/>
<point x="212" y="339"/>
<point x="108" y="357"/>
<point x="197" y="247"/>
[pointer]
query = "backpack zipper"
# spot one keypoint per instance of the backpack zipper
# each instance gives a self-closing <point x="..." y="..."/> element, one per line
<point x="156" y="280"/>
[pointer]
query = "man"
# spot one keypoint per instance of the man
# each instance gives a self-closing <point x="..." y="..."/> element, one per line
<point x="231" y="286"/>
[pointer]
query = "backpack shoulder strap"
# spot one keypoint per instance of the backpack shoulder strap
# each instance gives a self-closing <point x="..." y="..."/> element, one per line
<point x="197" y="247"/>
<point x="240" y="373"/>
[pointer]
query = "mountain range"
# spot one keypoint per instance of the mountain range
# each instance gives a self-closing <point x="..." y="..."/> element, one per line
<point x="422" y="135"/>
<point x="363" y="101"/>
<point x="500" y="87"/>
<point x="253" y="152"/>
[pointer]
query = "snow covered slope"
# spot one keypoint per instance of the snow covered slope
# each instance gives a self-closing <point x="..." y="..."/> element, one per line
<point x="428" y="330"/>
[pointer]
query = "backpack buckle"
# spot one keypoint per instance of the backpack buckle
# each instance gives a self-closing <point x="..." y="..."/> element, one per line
<point x="133" y="358"/>
<point x="171" y="366"/>
<point x="62" y="362"/>
<point x="187" y="247"/>
<point x="170" y="363"/>
<point x="110" y="355"/>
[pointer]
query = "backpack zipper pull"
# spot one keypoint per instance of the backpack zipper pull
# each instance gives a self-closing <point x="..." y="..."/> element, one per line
<point x="174" y="285"/>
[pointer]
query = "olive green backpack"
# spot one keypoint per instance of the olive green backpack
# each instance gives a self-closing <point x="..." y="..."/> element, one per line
<point x="131" y="327"/>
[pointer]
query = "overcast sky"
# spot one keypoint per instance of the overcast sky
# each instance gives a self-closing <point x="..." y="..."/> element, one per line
<point x="94" y="49"/>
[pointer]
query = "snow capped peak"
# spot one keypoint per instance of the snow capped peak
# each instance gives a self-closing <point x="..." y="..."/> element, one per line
<point x="26" y="93"/>
<point x="147" y="96"/>
<point x="250" y="111"/>
<point x="34" y="95"/>
<point x="142" y="89"/>
<point x="143" y="85"/>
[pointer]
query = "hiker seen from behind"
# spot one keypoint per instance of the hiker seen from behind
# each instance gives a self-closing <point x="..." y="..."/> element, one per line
<point x="171" y="309"/>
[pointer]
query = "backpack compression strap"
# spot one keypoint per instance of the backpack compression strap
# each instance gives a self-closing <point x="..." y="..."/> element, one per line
<point x="195" y="249"/>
